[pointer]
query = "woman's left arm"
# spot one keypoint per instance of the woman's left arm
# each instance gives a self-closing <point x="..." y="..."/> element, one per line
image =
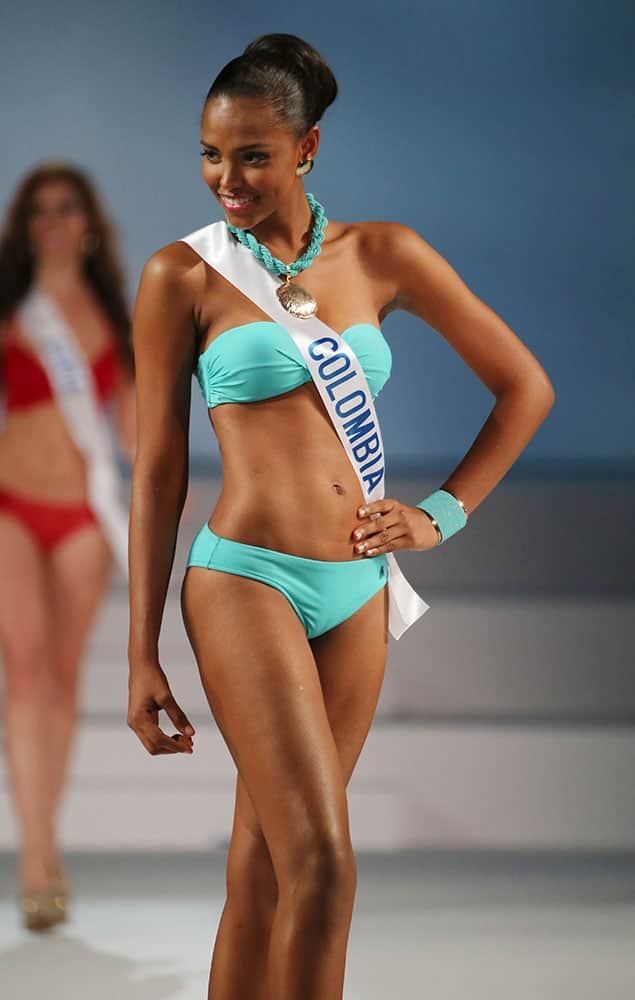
<point x="425" y="284"/>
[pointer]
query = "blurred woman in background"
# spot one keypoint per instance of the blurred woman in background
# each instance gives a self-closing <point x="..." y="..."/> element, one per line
<point x="56" y="249"/>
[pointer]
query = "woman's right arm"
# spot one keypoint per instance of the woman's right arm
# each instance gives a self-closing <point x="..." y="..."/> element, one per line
<point x="164" y="342"/>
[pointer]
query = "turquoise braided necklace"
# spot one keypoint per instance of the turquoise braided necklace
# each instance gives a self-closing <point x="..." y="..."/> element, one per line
<point x="294" y="298"/>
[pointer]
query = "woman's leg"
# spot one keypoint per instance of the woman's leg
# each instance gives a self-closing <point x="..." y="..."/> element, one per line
<point x="249" y="909"/>
<point x="25" y="628"/>
<point x="239" y="959"/>
<point x="80" y="569"/>
<point x="291" y="871"/>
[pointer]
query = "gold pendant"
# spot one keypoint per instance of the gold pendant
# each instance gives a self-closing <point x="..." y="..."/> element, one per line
<point x="296" y="300"/>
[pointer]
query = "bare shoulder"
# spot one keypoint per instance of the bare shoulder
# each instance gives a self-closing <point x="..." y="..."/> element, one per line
<point x="384" y="249"/>
<point x="172" y="263"/>
<point x="166" y="302"/>
<point x="383" y="241"/>
<point x="423" y="282"/>
<point x="417" y="272"/>
<point x="375" y="235"/>
<point x="173" y="274"/>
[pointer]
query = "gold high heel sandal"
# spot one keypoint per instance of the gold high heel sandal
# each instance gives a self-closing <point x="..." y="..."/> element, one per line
<point x="43" y="908"/>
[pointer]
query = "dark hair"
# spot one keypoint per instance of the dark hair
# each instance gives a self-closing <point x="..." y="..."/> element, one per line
<point x="285" y="71"/>
<point x="101" y="267"/>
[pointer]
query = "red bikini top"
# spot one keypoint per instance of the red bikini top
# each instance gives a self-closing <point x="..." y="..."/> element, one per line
<point x="26" y="383"/>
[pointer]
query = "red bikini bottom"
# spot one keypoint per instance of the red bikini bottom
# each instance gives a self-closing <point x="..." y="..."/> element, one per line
<point x="49" y="523"/>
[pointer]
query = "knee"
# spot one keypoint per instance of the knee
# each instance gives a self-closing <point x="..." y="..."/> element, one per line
<point x="64" y="701"/>
<point x="323" y="872"/>
<point x="65" y="689"/>
<point x="26" y="664"/>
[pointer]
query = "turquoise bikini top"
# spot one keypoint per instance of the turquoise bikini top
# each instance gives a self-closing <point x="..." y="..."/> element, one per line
<point x="262" y="360"/>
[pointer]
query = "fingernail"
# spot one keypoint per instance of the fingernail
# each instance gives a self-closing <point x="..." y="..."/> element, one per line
<point x="362" y="511"/>
<point x="358" y="533"/>
<point x="189" y="730"/>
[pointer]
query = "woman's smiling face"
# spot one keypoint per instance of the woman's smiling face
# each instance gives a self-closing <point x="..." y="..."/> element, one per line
<point x="249" y="158"/>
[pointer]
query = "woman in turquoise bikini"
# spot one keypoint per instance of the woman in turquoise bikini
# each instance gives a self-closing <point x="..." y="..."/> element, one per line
<point x="285" y="606"/>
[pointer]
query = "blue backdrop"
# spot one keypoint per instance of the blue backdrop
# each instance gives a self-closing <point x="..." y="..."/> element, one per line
<point x="498" y="130"/>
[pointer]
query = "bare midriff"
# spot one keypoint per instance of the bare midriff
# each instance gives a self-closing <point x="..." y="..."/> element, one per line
<point x="38" y="457"/>
<point x="288" y="483"/>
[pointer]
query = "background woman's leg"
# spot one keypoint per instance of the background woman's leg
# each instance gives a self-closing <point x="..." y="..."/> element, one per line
<point x="25" y="640"/>
<point x="80" y="570"/>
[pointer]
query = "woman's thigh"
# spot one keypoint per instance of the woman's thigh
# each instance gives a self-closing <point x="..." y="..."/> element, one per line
<point x="350" y="661"/>
<point x="24" y="608"/>
<point x="80" y="569"/>
<point x="263" y="687"/>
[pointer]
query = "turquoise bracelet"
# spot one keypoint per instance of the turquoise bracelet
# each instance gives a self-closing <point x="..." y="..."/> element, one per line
<point x="446" y="512"/>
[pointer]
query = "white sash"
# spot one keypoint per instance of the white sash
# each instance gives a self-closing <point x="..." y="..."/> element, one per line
<point x="332" y="364"/>
<point x="73" y="386"/>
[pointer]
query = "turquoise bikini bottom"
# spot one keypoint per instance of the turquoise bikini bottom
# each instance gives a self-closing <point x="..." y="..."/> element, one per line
<point x="322" y="592"/>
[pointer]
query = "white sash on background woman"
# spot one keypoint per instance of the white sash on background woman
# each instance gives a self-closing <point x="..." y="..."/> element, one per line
<point x="73" y="386"/>
<point x="340" y="381"/>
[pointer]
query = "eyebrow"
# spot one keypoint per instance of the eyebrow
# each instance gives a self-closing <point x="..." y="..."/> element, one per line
<point x="209" y="145"/>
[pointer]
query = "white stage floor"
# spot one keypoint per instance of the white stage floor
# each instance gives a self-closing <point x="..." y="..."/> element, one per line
<point x="425" y="925"/>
